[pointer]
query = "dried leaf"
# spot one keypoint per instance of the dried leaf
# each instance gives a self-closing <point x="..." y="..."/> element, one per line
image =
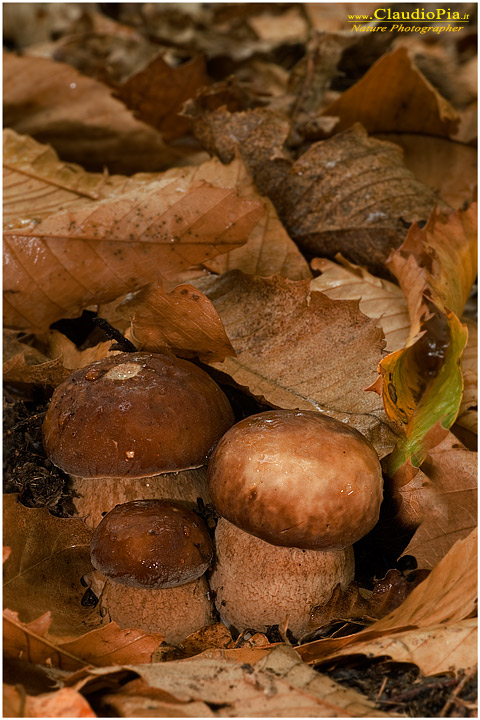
<point x="435" y="649"/>
<point x="113" y="246"/>
<point x="448" y="167"/>
<point x="138" y="699"/>
<point x="442" y="498"/>
<point x="62" y="703"/>
<point x="379" y="299"/>
<point x="157" y="92"/>
<point x="65" y="351"/>
<point x="422" y="384"/>
<point x="277" y="685"/>
<point x="79" y="117"/>
<point x="49" y="373"/>
<point x="448" y="595"/>
<point x="269" y="250"/>
<point x="33" y="643"/>
<point x="288" y="342"/>
<point x="468" y="413"/>
<point x="351" y="194"/>
<point x="394" y="96"/>
<point x="182" y="319"/>
<point x="43" y="573"/>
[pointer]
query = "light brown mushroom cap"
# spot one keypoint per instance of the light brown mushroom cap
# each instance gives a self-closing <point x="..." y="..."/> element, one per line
<point x="297" y="479"/>
<point x="257" y="585"/>
<point x="135" y="415"/>
<point x="151" y="544"/>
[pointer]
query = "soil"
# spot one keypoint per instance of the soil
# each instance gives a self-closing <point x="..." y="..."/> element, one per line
<point x="394" y="687"/>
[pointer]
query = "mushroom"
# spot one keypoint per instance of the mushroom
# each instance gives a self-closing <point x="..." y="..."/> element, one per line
<point x="152" y="555"/>
<point x="296" y="490"/>
<point x="141" y="425"/>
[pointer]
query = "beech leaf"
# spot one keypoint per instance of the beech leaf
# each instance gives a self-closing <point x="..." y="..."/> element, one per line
<point x="288" y="342"/>
<point x="182" y="319"/>
<point x="422" y="384"/>
<point x="394" y="96"/>
<point x="442" y="499"/>
<point x="70" y="260"/>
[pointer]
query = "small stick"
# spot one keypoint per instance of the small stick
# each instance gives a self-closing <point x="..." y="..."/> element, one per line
<point x="466" y="678"/>
<point x="114" y="334"/>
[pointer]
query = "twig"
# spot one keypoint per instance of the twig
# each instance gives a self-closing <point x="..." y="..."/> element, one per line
<point x="466" y="678"/>
<point x="425" y="687"/>
<point x="114" y="334"/>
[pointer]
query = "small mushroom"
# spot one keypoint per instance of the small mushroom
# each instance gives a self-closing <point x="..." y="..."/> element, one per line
<point x="141" y="423"/>
<point x="152" y="555"/>
<point x="296" y="490"/>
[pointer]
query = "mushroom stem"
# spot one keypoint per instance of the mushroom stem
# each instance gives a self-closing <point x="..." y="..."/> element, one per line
<point x="174" y="612"/>
<point x="257" y="584"/>
<point x="95" y="497"/>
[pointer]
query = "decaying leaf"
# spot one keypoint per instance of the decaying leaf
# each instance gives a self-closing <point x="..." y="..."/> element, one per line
<point x="156" y="93"/>
<point x="435" y="649"/>
<point x="43" y="573"/>
<point x="422" y="384"/>
<point x="61" y="703"/>
<point x="300" y="349"/>
<point x="79" y="117"/>
<point x="441" y="500"/>
<point x="182" y="319"/>
<point x="379" y="299"/>
<point x="394" y="96"/>
<point x="468" y="413"/>
<point x="33" y="642"/>
<point x="276" y="685"/>
<point x="94" y="254"/>
<point x="448" y="595"/>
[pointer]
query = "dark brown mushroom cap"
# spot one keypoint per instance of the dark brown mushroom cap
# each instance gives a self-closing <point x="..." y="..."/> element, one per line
<point x="135" y="414"/>
<point x="297" y="479"/>
<point x="151" y="544"/>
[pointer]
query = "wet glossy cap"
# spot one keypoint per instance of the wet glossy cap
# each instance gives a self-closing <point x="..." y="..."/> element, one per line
<point x="135" y="415"/>
<point x="297" y="479"/>
<point x="151" y="544"/>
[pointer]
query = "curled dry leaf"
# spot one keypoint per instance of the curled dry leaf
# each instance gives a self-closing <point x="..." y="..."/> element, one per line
<point x="61" y="703"/>
<point x="441" y="500"/>
<point x="289" y="340"/>
<point x="422" y="384"/>
<point x="379" y="299"/>
<point x="351" y="194"/>
<point x="394" y="96"/>
<point x="79" y="117"/>
<point x="182" y="319"/>
<point x="157" y="92"/>
<point x="96" y="253"/>
<point x="448" y="595"/>
<point x="468" y="413"/>
<point x="448" y="167"/>
<point x="435" y="649"/>
<point x="276" y="685"/>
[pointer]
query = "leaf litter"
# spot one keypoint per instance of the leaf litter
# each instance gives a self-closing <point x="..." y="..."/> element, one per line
<point x="291" y="192"/>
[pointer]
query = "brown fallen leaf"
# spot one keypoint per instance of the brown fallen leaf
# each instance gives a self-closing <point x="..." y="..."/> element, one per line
<point x="96" y="253"/>
<point x="61" y="703"/>
<point x="288" y="341"/>
<point x="351" y="194"/>
<point x="394" y="96"/>
<point x="157" y="92"/>
<point x="448" y="595"/>
<point x="441" y="499"/>
<point x="276" y="685"/>
<point x="448" y="167"/>
<point x="32" y="642"/>
<point x="268" y="250"/>
<point x="44" y="570"/>
<point x="379" y="299"/>
<point x="138" y="699"/>
<point x="182" y="319"/>
<point x="79" y="117"/>
<point x="434" y="649"/>
<point x="468" y="413"/>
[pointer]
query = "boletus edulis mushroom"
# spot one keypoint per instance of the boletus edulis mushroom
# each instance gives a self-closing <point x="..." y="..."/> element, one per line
<point x="139" y="425"/>
<point x="152" y="556"/>
<point x="295" y="490"/>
